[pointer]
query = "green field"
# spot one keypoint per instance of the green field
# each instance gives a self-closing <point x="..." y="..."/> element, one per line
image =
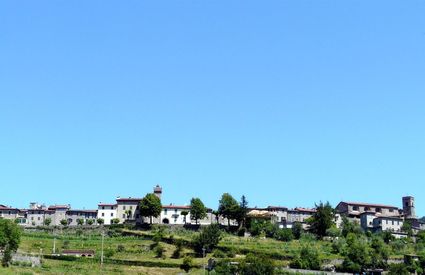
<point x="132" y="251"/>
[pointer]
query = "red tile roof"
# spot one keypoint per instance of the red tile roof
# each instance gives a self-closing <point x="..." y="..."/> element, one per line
<point x="369" y="204"/>
<point x="176" y="206"/>
<point x="130" y="199"/>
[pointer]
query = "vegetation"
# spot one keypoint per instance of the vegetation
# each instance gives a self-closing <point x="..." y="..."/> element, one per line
<point x="150" y="206"/>
<point x="198" y="211"/>
<point x="228" y="208"/>
<point x="10" y="236"/>
<point x="208" y="239"/>
<point x="322" y="219"/>
<point x="47" y="221"/>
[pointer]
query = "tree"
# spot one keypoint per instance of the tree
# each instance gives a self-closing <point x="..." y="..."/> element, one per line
<point x="150" y="206"/>
<point x="10" y="237"/>
<point x="243" y="210"/>
<point x="187" y="264"/>
<point x="297" y="230"/>
<point x="322" y="219"/>
<point x="47" y="221"/>
<point x="115" y="221"/>
<point x="228" y="207"/>
<point x="407" y="227"/>
<point x="357" y="255"/>
<point x="198" y="211"/>
<point x="80" y="221"/>
<point x="350" y="227"/>
<point x="100" y="221"/>
<point x="90" y="222"/>
<point x="208" y="239"/>
<point x="184" y="214"/>
<point x="64" y="222"/>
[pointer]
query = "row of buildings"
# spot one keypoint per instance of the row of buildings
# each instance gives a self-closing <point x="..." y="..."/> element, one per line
<point x="374" y="217"/>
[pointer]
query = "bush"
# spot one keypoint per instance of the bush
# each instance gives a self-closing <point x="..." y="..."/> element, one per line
<point x="308" y="258"/>
<point x="208" y="239"/>
<point x="219" y="254"/>
<point x="120" y="248"/>
<point x="398" y="269"/>
<point x="109" y="253"/>
<point x="179" y="248"/>
<point x="284" y="234"/>
<point x="224" y="267"/>
<point x="159" y="251"/>
<point x="257" y="265"/>
<point x="187" y="263"/>
<point x="241" y="232"/>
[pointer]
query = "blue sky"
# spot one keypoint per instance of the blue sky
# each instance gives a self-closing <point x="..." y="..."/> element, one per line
<point x="287" y="102"/>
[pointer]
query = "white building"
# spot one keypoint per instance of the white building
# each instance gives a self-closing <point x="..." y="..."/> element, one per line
<point x="107" y="212"/>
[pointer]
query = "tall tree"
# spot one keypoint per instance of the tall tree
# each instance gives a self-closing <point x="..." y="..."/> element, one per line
<point x="198" y="211"/>
<point x="150" y="206"/>
<point x="243" y="210"/>
<point x="228" y="207"/>
<point x="322" y="219"/>
<point x="10" y="237"/>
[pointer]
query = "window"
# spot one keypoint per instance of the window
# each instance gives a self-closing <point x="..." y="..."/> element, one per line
<point x="131" y="207"/>
<point x="112" y="214"/>
<point x="393" y="222"/>
<point x="38" y="218"/>
<point x="103" y="207"/>
<point x="378" y="209"/>
<point x="103" y="214"/>
<point x="123" y="208"/>
<point x="367" y="208"/>
<point x="355" y="208"/>
<point x="391" y="210"/>
<point x="123" y="216"/>
<point x="175" y="210"/>
<point x="165" y="211"/>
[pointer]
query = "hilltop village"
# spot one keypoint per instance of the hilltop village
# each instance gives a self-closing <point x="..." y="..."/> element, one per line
<point x="370" y="216"/>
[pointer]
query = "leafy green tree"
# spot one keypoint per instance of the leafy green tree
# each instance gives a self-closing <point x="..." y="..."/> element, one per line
<point x="297" y="230"/>
<point x="10" y="237"/>
<point x="47" y="221"/>
<point x="348" y="227"/>
<point x="150" y="206"/>
<point x="208" y="239"/>
<point x="64" y="222"/>
<point x="115" y="221"/>
<point x="80" y="221"/>
<point x="90" y="222"/>
<point x="100" y="221"/>
<point x="198" y="211"/>
<point x="407" y="227"/>
<point x="228" y="207"/>
<point x="357" y="255"/>
<point x="380" y="252"/>
<point x="322" y="219"/>
<point x="257" y="265"/>
<point x="184" y="214"/>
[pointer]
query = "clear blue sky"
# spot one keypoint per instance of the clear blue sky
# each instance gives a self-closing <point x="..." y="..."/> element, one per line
<point x="287" y="102"/>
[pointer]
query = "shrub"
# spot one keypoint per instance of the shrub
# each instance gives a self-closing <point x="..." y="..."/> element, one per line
<point x="224" y="267"/>
<point x="308" y="258"/>
<point x="159" y="251"/>
<point x="179" y="248"/>
<point x="398" y="269"/>
<point x="284" y="234"/>
<point x="207" y="239"/>
<point x="120" y="248"/>
<point x="257" y="265"/>
<point x="187" y="263"/>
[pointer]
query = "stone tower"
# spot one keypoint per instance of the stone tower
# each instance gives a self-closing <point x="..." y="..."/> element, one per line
<point x="409" y="207"/>
<point x="157" y="190"/>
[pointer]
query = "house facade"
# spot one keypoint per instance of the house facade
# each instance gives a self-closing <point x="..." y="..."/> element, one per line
<point x="107" y="212"/>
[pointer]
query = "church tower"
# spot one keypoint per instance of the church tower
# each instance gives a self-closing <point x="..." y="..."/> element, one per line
<point x="157" y="190"/>
<point x="409" y="207"/>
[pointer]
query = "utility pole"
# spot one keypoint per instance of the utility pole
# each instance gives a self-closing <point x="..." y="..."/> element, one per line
<point x="203" y="256"/>
<point x="101" y="255"/>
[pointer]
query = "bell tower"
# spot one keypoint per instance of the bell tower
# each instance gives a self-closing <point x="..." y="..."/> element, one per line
<point x="157" y="190"/>
<point x="409" y="207"/>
